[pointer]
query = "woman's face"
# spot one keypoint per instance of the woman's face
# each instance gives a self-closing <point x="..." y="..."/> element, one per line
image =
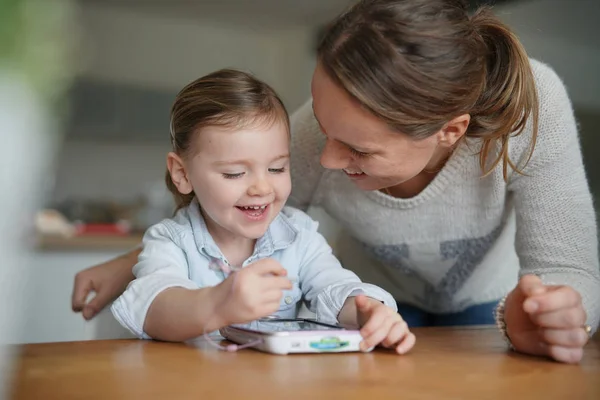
<point x="365" y="148"/>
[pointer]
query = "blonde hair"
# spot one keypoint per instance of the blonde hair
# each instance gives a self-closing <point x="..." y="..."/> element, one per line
<point x="225" y="98"/>
<point x="417" y="64"/>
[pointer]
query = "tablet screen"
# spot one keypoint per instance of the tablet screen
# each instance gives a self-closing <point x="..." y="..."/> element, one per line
<point x="292" y="325"/>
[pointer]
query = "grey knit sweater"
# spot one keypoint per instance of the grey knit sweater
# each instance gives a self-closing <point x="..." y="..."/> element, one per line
<point x="464" y="240"/>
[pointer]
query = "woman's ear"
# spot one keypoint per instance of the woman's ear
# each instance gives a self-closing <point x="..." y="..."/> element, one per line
<point x="453" y="130"/>
<point x="178" y="173"/>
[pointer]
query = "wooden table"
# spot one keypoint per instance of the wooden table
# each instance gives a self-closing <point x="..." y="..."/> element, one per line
<point x="445" y="364"/>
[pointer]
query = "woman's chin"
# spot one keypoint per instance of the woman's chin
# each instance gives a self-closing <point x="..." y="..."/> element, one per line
<point x="367" y="183"/>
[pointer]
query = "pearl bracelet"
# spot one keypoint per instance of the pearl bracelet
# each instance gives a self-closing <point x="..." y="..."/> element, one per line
<point x="500" y="323"/>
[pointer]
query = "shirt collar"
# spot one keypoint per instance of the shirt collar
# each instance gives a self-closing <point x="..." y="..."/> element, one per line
<point x="280" y="234"/>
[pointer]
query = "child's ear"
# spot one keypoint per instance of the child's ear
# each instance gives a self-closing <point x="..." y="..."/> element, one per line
<point x="178" y="174"/>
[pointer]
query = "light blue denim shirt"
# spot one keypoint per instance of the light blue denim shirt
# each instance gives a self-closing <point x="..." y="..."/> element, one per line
<point x="180" y="252"/>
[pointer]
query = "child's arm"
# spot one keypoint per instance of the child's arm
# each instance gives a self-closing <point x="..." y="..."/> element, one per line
<point x="335" y="293"/>
<point x="180" y="314"/>
<point x="326" y="285"/>
<point x="162" y="302"/>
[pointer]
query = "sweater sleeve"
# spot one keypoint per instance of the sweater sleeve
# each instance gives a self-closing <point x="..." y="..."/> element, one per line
<point x="306" y="145"/>
<point x="556" y="224"/>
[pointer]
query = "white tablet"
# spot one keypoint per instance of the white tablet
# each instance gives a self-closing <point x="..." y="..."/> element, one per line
<point x="284" y="336"/>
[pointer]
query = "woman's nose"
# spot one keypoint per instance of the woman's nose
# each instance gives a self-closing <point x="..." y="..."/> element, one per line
<point x="334" y="155"/>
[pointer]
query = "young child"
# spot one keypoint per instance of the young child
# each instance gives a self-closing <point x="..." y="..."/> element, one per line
<point x="233" y="253"/>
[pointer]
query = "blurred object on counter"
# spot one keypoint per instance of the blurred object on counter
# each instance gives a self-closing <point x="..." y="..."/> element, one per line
<point x="97" y="211"/>
<point x="84" y="225"/>
<point x="52" y="222"/>
<point x="105" y="216"/>
<point x="121" y="227"/>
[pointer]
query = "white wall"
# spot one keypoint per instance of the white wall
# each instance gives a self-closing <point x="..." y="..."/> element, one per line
<point x="101" y="170"/>
<point x="119" y="45"/>
<point x="564" y="34"/>
<point x="148" y="49"/>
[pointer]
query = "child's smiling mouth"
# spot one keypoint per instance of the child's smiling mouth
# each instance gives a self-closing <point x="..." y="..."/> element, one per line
<point x="254" y="212"/>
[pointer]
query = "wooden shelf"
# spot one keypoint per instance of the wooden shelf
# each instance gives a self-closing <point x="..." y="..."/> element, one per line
<point x="88" y="242"/>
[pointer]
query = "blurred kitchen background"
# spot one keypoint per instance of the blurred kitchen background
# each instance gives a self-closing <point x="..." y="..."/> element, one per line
<point x="134" y="55"/>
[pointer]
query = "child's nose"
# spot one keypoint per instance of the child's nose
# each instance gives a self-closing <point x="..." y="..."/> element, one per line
<point x="260" y="187"/>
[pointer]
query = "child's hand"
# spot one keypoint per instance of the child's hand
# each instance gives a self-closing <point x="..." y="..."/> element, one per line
<point x="253" y="292"/>
<point x="382" y="325"/>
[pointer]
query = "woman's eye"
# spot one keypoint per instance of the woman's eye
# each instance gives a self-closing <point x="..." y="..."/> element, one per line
<point x="358" y="153"/>
<point x="233" y="176"/>
<point x="277" y="170"/>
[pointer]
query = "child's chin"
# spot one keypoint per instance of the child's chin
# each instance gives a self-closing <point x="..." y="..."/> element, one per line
<point x="254" y="234"/>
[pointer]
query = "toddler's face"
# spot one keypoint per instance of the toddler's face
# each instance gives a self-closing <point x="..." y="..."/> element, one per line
<point x="241" y="177"/>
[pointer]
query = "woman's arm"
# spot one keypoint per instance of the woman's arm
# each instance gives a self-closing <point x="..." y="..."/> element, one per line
<point x="108" y="280"/>
<point x="556" y="236"/>
<point x="556" y="222"/>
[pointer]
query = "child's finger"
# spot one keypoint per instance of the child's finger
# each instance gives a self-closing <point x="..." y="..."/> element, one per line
<point x="378" y="335"/>
<point x="266" y="266"/>
<point x="373" y="323"/>
<point x="277" y="282"/>
<point x="407" y="343"/>
<point x="273" y="295"/>
<point x="398" y="331"/>
<point x="362" y="303"/>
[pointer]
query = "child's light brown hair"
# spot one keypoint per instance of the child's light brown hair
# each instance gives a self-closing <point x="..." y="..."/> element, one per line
<point x="417" y="64"/>
<point x="225" y="98"/>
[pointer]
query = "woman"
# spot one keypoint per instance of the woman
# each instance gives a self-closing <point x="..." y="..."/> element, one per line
<point x="453" y="164"/>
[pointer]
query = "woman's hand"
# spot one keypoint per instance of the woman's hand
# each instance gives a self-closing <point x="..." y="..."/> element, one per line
<point x="107" y="280"/>
<point x="381" y="325"/>
<point x="546" y="320"/>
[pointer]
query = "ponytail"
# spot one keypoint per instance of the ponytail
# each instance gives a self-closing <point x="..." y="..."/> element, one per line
<point x="508" y="98"/>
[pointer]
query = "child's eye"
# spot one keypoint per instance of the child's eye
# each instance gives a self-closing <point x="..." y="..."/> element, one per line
<point x="277" y="170"/>
<point x="233" y="176"/>
<point x="358" y="153"/>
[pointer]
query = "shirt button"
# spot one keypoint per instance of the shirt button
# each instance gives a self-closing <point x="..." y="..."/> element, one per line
<point x="288" y="300"/>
